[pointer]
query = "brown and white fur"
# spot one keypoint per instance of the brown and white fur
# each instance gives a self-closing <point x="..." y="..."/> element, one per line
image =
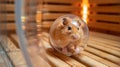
<point x="68" y="36"/>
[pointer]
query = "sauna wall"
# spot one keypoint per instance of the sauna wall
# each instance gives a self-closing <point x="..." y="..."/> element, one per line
<point x="104" y="16"/>
<point x="45" y="14"/>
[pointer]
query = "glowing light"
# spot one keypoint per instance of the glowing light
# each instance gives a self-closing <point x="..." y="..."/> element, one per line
<point x="23" y="18"/>
<point x="85" y="9"/>
<point x="39" y="17"/>
<point x="75" y="23"/>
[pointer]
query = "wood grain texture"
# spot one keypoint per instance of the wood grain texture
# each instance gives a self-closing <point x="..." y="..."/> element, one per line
<point x="106" y="9"/>
<point x="105" y="44"/>
<point x="104" y="55"/>
<point x="63" y="1"/>
<point x="47" y="16"/>
<point x="94" y="45"/>
<point x="107" y="13"/>
<point x="105" y="36"/>
<point x="103" y="17"/>
<point x="7" y="7"/>
<point x="105" y="26"/>
<point x="104" y="2"/>
<point x="9" y="26"/>
<point x="97" y="54"/>
<point x="59" y="8"/>
<point x="7" y="17"/>
<point x="99" y="59"/>
<point x="53" y="1"/>
<point x="89" y="61"/>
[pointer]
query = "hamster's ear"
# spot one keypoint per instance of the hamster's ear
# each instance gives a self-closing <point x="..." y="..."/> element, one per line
<point x="65" y="21"/>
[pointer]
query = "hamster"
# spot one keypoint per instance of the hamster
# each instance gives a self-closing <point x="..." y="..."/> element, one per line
<point x="67" y="35"/>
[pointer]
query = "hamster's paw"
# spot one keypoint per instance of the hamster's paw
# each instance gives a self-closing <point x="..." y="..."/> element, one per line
<point x="64" y="50"/>
<point x="78" y="50"/>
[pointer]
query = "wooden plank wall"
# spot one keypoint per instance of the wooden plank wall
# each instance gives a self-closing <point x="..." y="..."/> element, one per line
<point x="52" y="9"/>
<point x="7" y="14"/>
<point x="104" y="15"/>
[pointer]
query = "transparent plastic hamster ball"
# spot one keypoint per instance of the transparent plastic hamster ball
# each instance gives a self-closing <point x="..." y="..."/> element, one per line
<point x="69" y="34"/>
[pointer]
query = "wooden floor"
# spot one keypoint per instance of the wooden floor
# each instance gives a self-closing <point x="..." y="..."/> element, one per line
<point x="103" y="50"/>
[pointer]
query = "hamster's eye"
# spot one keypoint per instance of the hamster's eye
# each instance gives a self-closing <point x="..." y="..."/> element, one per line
<point x="78" y="28"/>
<point x="69" y="28"/>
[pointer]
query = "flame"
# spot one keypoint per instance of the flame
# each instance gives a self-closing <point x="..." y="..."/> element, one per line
<point x="85" y="10"/>
<point x="85" y="13"/>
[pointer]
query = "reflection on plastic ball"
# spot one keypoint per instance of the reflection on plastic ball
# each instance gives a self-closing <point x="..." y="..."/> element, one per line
<point x="69" y="34"/>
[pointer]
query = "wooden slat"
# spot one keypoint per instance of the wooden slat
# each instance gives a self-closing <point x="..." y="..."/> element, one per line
<point x="103" y="2"/>
<point x="14" y="53"/>
<point x="48" y="22"/>
<point x="106" y="62"/>
<point x="14" y="39"/>
<point x="7" y="17"/>
<point x="89" y="61"/>
<point x="5" y="1"/>
<point x="45" y="24"/>
<point x="51" y="1"/>
<point x="63" y="8"/>
<point x="47" y="16"/>
<point x="7" y="7"/>
<point x="106" y="45"/>
<point x="11" y="46"/>
<point x="56" y="61"/>
<point x="104" y="55"/>
<point x="112" y="18"/>
<point x="63" y="1"/>
<point x="55" y="1"/>
<point x="14" y="57"/>
<point x="53" y="8"/>
<point x="107" y="9"/>
<point x="67" y="59"/>
<point x="36" y="59"/>
<point x="105" y="26"/>
<point x="107" y="40"/>
<point x="7" y="26"/>
<point x="110" y="42"/>
<point x="106" y="36"/>
<point x="111" y="51"/>
<point x="24" y="65"/>
<point x="12" y="26"/>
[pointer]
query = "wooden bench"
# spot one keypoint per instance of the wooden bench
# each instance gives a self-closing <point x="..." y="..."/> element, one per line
<point x="103" y="50"/>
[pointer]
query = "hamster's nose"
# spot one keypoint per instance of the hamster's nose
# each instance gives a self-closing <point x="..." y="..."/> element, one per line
<point x="75" y="36"/>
